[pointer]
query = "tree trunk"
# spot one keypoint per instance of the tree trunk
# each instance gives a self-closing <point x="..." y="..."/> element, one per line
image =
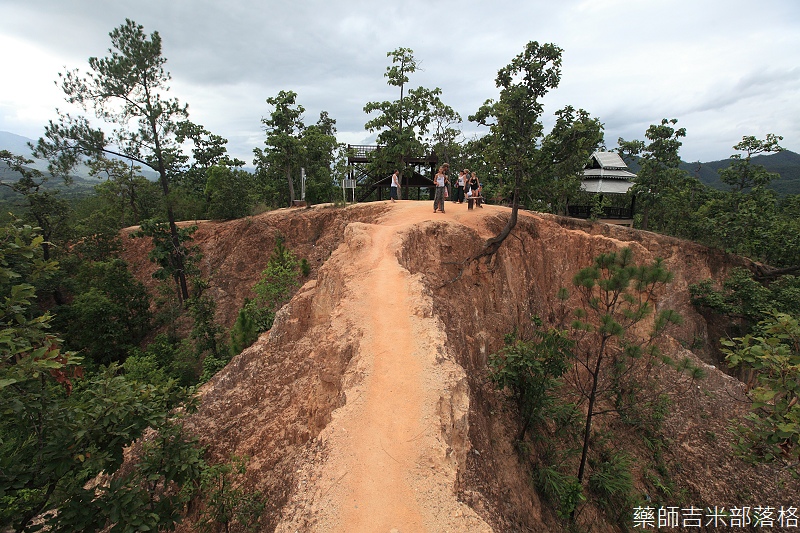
<point x="491" y="246"/>
<point x="587" y="432"/>
<point x="291" y="185"/>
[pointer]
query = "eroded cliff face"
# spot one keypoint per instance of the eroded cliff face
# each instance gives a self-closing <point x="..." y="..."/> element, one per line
<point x="289" y="402"/>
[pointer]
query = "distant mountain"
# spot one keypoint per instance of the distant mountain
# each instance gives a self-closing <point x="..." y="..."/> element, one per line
<point x="18" y="145"/>
<point x="15" y="144"/>
<point x="785" y="163"/>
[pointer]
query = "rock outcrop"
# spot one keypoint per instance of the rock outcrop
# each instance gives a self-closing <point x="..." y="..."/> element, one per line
<point x="368" y="401"/>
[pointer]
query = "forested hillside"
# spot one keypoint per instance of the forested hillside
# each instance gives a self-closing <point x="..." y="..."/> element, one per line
<point x="784" y="163"/>
<point x="124" y="295"/>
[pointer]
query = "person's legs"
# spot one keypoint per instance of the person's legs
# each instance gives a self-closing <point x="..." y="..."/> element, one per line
<point x="438" y="199"/>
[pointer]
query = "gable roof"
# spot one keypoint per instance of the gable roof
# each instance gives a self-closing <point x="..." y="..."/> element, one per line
<point x="610" y="167"/>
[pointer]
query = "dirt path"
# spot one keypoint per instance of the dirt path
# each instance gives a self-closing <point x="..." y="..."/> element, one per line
<point x="391" y="453"/>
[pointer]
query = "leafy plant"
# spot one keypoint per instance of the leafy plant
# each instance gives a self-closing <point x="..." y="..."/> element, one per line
<point x="531" y="371"/>
<point x="171" y="252"/>
<point x="616" y="295"/>
<point x="611" y="482"/>
<point x="564" y="490"/>
<point x="244" y="332"/>
<point x="277" y="284"/>
<point x="227" y="502"/>
<point x="773" y="432"/>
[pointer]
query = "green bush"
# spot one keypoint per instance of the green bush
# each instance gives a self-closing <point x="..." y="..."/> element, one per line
<point x="563" y="490"/>
<point x="612" y="484"/>
<point x="277" y="284"/>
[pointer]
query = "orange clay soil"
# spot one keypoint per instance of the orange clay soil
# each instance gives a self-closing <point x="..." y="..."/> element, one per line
<point x="387" y="467"/>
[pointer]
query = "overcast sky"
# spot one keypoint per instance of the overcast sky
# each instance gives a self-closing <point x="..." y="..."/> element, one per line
<point x="723" y="68"/>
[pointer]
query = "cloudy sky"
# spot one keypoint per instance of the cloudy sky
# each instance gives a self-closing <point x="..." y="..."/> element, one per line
<point x="723" y="68"/>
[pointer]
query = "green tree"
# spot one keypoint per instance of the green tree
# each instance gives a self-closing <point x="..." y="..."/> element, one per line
<point x="208" y="150"/>
<point x="109" y="314"/>
<point x="59" y="431"/>
<point x="616" y="295"/>
<point x="743" y="219"/>
<point x="562" y="157"/>
<point x="277" y="284"/>
<point x="320" y="148"/>
<point x="660" y="162"/>
<point x="531" y="371"/>
<point x="122" y="188"/>
<point x="405" y="124"/>
<point x="514" y="119"/>
<point x="226" y="502"/>
<point x="244" y="331"/>
<point x="206" y="333"/>
<point x="284" y="148"/>
<point x="126" y="88"/>
<point x="226" y="192"/>
<point x="173" y="256"/>
<point x="772" y="360"/>
<point x="742" y="174"/>
<point x="49" y="212"/>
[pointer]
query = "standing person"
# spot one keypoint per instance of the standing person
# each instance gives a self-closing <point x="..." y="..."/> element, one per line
<point x="440" y="181"/>
<point x="475" y="187"/>
<point x="395" y="185"/>
<point x="460" y="184"/>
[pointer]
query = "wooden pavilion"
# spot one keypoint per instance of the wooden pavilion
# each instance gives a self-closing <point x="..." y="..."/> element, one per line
<point x="359" y="155"/>
<point x="606" y="174"/>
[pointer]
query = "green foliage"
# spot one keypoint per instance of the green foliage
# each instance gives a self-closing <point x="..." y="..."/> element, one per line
<point x="227" y="503"/>
<point x="616" y="295"/>
<point x="410" y="125"/>
<point x="53" y="440"/>
<point x="773" y="431"/>
<point x="126" y="196"/>
<point x="206" y="333"/>
<point x="128" y="89"/>
<point x="514" y="120"/>
<point x="531" y="371"/>
<point x="563" y="490"/>
<point x="277" y="284"/>
<point x="59" y="430"/>
<point x="322" y="154"/>
<point x="244" y="331"/>
<point x="226" y="191"/>
<point x="175" y="358"/>
<point x="612" y="484"/>
<point x="283" y="152"/>
<point x="305" y="268"/>
<point x="598" y="205"/>
<point x="144" y="368"/>
<point x="742" y="174"/>
<point x="660" y="173"/>
<point x="291" y="146"/>
<point x="28" y="351"/>
<point x="171" y="252"/>
<point x="44" y="207"/>
<point x="561" y="160"/>
<point x="109" y="315"/>
<point x="747" y="301"/>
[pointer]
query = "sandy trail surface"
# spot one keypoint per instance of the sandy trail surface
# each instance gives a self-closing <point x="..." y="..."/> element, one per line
<point x="389" y="458"/>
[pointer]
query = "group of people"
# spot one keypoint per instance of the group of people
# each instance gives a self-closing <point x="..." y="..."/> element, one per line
<point x="467" y="187"/>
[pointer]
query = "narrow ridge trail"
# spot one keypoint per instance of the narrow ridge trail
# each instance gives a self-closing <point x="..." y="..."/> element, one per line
<point x="389" y="464"/>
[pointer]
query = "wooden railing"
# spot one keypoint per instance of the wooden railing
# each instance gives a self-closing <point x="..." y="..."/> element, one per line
<point x="585" y="211"/>
<point x="360" y="150"/>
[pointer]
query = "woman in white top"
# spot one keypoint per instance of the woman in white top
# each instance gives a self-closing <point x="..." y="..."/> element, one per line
<point x="395" y="185"/>
<point x="440" y="181"/>
<point x="462" y="181"/>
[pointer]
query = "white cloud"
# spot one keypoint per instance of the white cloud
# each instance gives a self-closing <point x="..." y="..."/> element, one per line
<point x="722" y="68"/>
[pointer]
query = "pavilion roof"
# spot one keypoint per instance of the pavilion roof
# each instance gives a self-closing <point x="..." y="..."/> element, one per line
<point x="606" y="172"/>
